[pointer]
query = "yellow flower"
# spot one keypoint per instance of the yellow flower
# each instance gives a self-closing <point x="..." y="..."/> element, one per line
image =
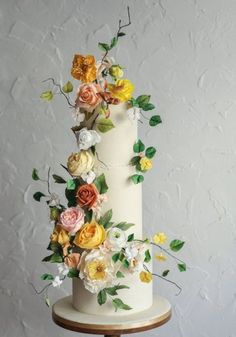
<point x="122" y="90"/>
<point x="60" y="235"/>
<point x="96" y="270"/>
<point x="90" y="236"/>
<point x="116" y="71"/>
<point x="160" y="257"/>
<point x="160" y="238"/>
<point x="145" y="276"/>
<point x="80" y="163"/>
<point x="84" y="68"/>
<point x="145" y="163"/>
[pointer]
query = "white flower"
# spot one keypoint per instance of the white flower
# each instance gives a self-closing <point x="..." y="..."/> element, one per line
<point x="78" y="116"/>
<point x="134" y="253"/>
<point x="101" y="66"/>
<point x="97" y="270"/>
<point x="97" y="207"/>
<point x="88" y="177"/>
<point x="87" y="138"/>
<point x="133" y="113"/>
<point x="63" y="269"/>
<point x="57" y="282"/>
<point x="116" y="239"/>
<point x="54" y="200"/>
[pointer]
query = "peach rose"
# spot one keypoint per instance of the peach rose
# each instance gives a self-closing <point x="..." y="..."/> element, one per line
<point x="72" y="219"/>
<point x="88" y="96"/>
<point x="87" y="195"/>
<point x="90" y="236"/>
<point x="72" y="260"/>
<point x="60" y="235"/>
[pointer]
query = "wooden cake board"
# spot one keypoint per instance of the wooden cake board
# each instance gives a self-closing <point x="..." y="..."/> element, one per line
<point x="67" y="317"/>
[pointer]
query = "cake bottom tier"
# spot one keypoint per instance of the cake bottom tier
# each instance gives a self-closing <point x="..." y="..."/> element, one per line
<point x="139" y="297"/>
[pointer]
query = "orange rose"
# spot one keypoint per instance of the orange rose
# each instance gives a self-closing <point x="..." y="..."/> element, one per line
<point x="72" y="260"/>
<point x="84" y="68"/>
<point x="87" y="195"/>
<point x="88" y="96"/>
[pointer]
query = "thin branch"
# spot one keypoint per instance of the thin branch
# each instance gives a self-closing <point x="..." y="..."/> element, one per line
<point x="48" y="181"/>
<point x="100" y="160"/>
<point x="42" y="290"/>
<point x="61" y="91"/>
<point x="163" y="278"/>
<point x="167" y="252"/>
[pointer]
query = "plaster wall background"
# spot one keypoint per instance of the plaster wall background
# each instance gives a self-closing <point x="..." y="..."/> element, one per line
<point x="183" y="53"/>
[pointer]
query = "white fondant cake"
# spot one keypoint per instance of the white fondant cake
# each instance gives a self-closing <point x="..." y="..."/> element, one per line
<point x="125" y="199"/>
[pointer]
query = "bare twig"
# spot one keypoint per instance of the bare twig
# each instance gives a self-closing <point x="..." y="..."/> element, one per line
<point x="61" y="91"/>
<point x="42" y="290"/>
<point x="48" y="181"/>
<point x="167" y="252"/>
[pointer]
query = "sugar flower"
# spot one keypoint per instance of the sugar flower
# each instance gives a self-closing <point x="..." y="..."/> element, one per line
<point x="57" y="282"/>
<point x="159" y="238"/>
<point x="72" y="260"/>
<point x="60" y="235"/>
<point x="87" y="195"/>
<point x="54" y="200"/>
<point x="80" y="163"/>
<point x="116" y="239"/>
<point x="97" y="207"/>
<point x="97" y="270"/>
<point x="88" y="177"/>
<point x="116" y="71"/>
<point x="145" y="164"/>
<point x="91" y="236"/>
<point x="87" y="138"/>
<point x="78" y="116"/>
<point x="84" y="68"/>
<point x="134" y="253"/>
<point x="88" y="96"/>
<point x="72" y="219"/>
<point x="145" y="276"/>
<point x="63" y="269"/>
<point x="133" y="113"/>
<point x="160" y="257"/>
<point x="122" y="89"/>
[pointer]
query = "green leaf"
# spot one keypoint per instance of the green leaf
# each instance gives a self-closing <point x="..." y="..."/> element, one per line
<point x="113" y="290"/>
<point x="109" y="225"/>
<point x="182" y="267"/>
<point x="115" y="257"/>
<point x="126" y="263"/>
<point x="148" y="106"/>
<point x="54" y="213"/>
<point x="147" y="256"/>
<point x="68" y="87"/>
<point x="70" y="184"/>
<point x="118" y="304"/>
<point x="138" y="146"/>
<point x="124" y="226"/>
<point x="102" y="297"/>
<point x="105" y="219"/>
<point x="58" y="179"/>
<point x="47" y="95"/>
<point x="165" y="272"/>
<point x="54" y="258"/>
<point x="105" y="125"/>
<point x="119" y="274"/>
<point x="121" y="34"/>
<point x="176" y="245"/>
<point x="133" y="101"/>
<point x="137" y="178"/>
<point x="88" y="215"/>
<point x="35" y="174"/>
<point x="103" y="46"/>
<point x="71" y="194"/>
<point x="113" y="42"/>
<point x="143" y="99"/>
<point x="47" y="301"/>
<point x="154" y="120"/>
<point x="130" y="237"/>
<point x="55" y="247"/>
<point x="38" y="195"/>
<point x="100" y="183"/>
<point x="73" y="272"/>
<point x="135" y="160"/>
<point x="150" y="152"/>
<point x="47" y="277"/>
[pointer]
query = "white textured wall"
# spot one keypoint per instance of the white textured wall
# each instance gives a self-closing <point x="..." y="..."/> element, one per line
<point x="183" y="52"/>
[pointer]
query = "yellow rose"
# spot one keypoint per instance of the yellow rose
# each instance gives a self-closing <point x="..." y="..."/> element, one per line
<point x="160" y="238"/>
<point x="122" y="90"/>
<point x="116" y="71"/>
<point x="80" y="163"/>
<point x="90" y="236"/>
<point x="60" y="235"/>
<point x="146" y="164"/>
<point x="145" y="276"/>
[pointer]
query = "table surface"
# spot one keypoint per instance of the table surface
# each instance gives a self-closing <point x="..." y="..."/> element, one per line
<point x="69" y="318"/>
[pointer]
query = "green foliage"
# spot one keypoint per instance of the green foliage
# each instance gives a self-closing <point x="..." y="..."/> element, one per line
<point x="55" y="247"/>
<point x="121" y="34"/>
<point x="126" y="263"/>
<point x="70" y="184"/>
<point x="176" y="245"/>
<point x="105" y="219"/>
<point x="124" y="226"/>
<point x="73" y="272"/>
<point x="147" y="256"/>
<point x="102" y="297"/>
<point x="58" y="179"/>
<point x="135" y="160"/>
<point x="138" y="146"/>
<point x="105" y="125"/>
<point x="54" y="213"/>
<point x="35" y="174"/>
<point x="88" y="215"/>
<point x="116" y="257"/>
<point x="130" y="237"/>
<point x="148" y="106"/>
<point x="38" y="195"/>
<point x="113" y="290"/>
<point x="142" y="100"/>
<point x="71" y="194"/>
<point x="54" y="258"/>
<point x="182" y="267"/>
<point x="68" y="87"/>
<point x="47" y="95"/>
<point x="113" y="42"/>
<point x="100" y="183"/>
<point x="150" y="152"/>
<point x="137" y="178"/>
<point x="154" y="120"/>
<point x="47" y="277"/>
<point x="118" y="304"/>
<point x="119" y="274"/>
<point x="165" y="272"/>
<point x="104" y="46"/>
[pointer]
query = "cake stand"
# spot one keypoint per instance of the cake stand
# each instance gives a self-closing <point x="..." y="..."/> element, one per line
<point x="67" y="317"/>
